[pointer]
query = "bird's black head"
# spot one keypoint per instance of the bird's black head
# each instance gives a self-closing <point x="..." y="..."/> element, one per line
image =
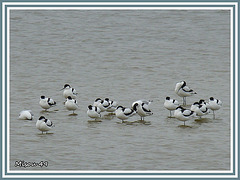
<point x="97" y="99"/>
<point x="211" y="98"/>
<point x="179" y="107"/>
<point x="135" y="106"/>
<point x="119" y="107"/>
<point x="66" y="85"/>
<point x="90" y="107"/>
<point x="196" y="103"/>
<point x="201" y="101"/>
<point x="69" y="97"/>
<point x="167" y="98"/>
<point x="42" y="97"/>
<point x="42" y="117"/>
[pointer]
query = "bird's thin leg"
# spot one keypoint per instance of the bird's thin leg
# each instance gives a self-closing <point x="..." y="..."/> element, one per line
<point x="184" y="101"/>
<point x="213" y="115"/>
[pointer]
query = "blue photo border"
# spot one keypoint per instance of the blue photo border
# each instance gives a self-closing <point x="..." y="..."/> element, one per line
<point x="143" y="175"/>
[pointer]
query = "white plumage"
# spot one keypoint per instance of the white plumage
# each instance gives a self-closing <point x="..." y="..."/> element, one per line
<point x="124" y="113"/>
<point x="171" y="104"/>
<point x="71" y="104"/>
<point x="46" y="103"/>
<point x="214" y="105"/>
<point x="103" y="104"/>
<point x="200" y="108"/>
<point x="142" y="108"/>
<point x="183" y="114"/>
<point x="97" y="102"/>
<point x="182" y="90"/>
<point x="26" y="115"/>
<point x="93" y="112"/>
<point x="44" y="124"/>
<point x="69" y="91"/>
<point x="113" y="106"/>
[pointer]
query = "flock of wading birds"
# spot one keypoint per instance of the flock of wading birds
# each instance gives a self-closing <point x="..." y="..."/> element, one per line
<point x="140" y="107"/>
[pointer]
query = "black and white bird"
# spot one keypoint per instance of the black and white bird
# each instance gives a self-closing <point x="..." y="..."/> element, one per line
<point x="46" y="103"/>
<point x="26" y="115"/>
<point x="171" y="104"/>
<point x="113" y="106"/>
<point x="97" y="102"/>
<point x="69" y="91"/>
<point x="93" y="112"/>
<point x="44" y="124"/>
<point x="183" y="114"/>
<point x="142" y="108"/>
<point x="124" y="113"/>
<point x="200" y="108"/>
<point x="214" y="105"/>
<point x="103" y="104"/>
<point x="71" y="104"/>
<point x="183" y="91"/>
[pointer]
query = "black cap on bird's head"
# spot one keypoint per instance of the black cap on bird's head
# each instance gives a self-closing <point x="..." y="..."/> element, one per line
<point x="90" y="107"/>
<point x="196" y="103"/>
<point x="119" y="107"/>
<point x="42" y="117"/>
<point x="97" y="99"/>
<point x="167" y="98"/>
<point x="201" y="101"/>
<point x="42" y="97"/>
<point x="211" y="98"/>
<point x="66" y="85"/>
<point x="69" y="97"/>
<point x="179" y="107"/>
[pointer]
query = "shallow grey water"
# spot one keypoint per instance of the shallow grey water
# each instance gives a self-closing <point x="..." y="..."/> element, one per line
<point x="126" y="56"/>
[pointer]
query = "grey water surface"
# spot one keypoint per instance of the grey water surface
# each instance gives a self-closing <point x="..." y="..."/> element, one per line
<point x="124" y="55"/>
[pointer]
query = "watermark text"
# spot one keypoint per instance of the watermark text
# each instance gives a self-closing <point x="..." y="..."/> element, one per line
<point x="25" y="164"/>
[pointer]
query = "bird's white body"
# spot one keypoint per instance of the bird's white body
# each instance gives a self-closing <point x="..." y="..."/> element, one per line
<point x="69" y="91"/>
<point x="93" y="112"/>
<point x="113" y="106"/>
<point x="97" y="102"/>
<point x="124" y="113"/>
<point x="142" y="108"/>
<point x="171" y="104"/>
<point x="26" y="115"/>
<point x="142" y="101"/>
<point x="214" y="105"/>
<point x="183" y="114"/>
<point x="200" y="109"/>
<point x="46" y="103"/>
<point x="71" y="104"/>
<point x="44" y="124"/>
<point x="103" y="104"/>
<point x="182" y="90"/>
